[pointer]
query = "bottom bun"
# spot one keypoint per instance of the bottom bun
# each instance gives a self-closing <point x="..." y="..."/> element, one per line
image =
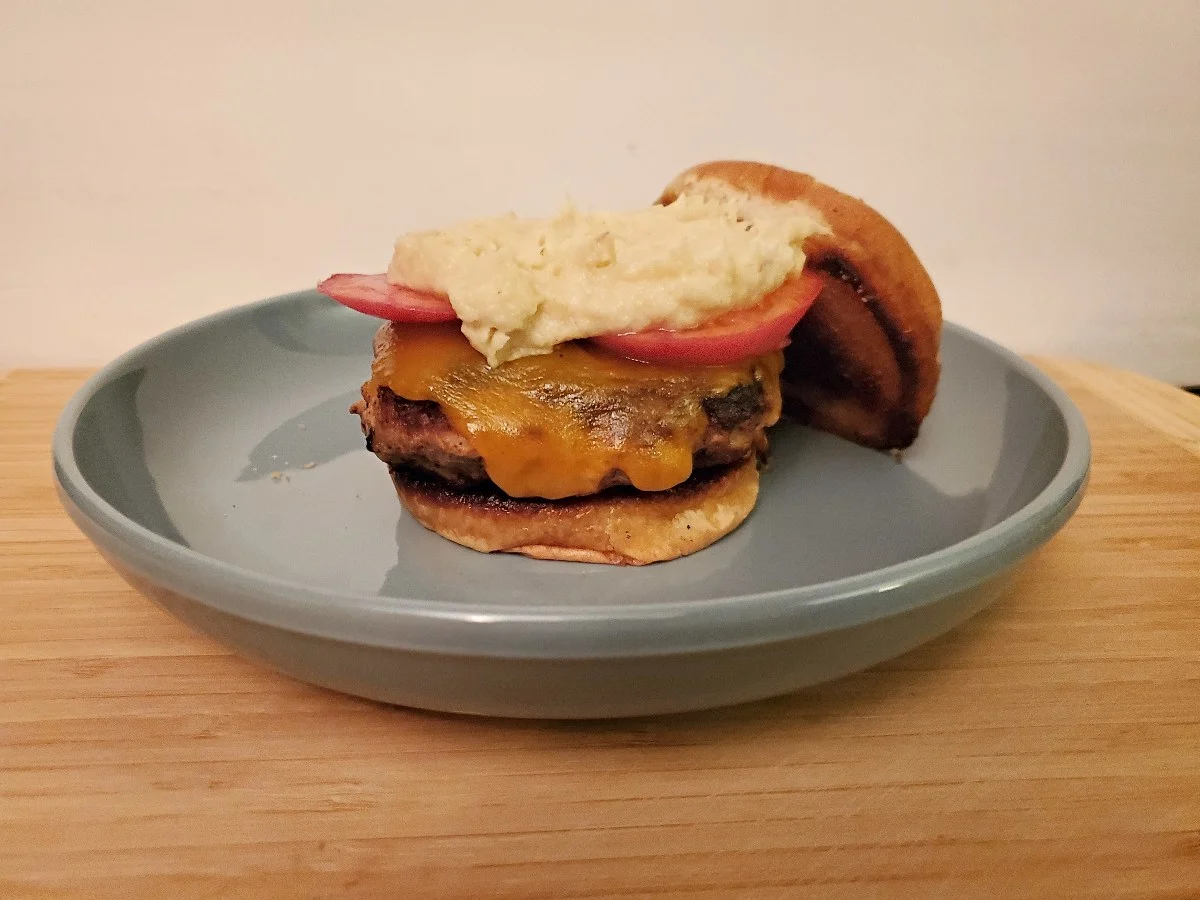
<point x="620" y="526"/>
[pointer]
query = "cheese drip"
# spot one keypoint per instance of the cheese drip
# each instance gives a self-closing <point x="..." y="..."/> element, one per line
<point x="556" y="425"/>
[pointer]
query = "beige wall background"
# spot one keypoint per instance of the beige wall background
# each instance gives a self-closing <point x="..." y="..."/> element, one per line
<point x="159" y="160"/>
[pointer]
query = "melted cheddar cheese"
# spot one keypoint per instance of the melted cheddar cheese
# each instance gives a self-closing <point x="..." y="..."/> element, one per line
<point x="558" y="424"/>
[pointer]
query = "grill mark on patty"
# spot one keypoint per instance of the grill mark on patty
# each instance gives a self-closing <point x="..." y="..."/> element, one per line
<point x="736" y="406"/>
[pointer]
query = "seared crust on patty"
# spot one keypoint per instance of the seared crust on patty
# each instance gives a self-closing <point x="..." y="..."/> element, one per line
<point x="415" y="434"/>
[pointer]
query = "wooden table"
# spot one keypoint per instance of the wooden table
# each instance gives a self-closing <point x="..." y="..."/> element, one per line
<point x="1049" y="748"/>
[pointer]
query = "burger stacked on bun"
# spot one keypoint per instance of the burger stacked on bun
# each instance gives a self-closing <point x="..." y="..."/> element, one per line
<point x="597" y="387"/>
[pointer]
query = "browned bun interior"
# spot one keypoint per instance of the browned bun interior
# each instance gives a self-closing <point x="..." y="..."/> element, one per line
<point x="620" y="526"/>
<point x="863" y="362"/>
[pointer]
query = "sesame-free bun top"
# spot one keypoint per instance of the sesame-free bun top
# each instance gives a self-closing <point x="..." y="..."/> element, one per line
<point x="863" y="362"/>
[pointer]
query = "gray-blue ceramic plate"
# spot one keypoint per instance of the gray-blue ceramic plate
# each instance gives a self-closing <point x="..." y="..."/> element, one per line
<point x="218" y="469"/>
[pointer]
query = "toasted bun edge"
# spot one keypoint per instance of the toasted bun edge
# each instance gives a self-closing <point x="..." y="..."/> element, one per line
<point x="620" y="527"/>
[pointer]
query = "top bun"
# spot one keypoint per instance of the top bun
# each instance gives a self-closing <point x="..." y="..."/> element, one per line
<point x="863" y="362"/>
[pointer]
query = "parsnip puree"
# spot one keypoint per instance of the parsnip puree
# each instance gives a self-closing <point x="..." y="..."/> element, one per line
<point x="522" y="286"/>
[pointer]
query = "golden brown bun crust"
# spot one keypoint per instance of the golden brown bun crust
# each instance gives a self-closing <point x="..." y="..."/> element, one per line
<point x="622" y="527"/>
<point x="864" y="360"/>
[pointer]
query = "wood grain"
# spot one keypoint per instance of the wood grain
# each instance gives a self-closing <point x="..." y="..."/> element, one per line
<point x="1049" y="748"/>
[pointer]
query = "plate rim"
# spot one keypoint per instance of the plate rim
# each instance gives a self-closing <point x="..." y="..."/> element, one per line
<point x="654" y="628"/>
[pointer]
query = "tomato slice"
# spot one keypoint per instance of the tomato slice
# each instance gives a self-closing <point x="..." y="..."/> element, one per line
<point x="735" y="336"/>
<point x="375" y="296"/>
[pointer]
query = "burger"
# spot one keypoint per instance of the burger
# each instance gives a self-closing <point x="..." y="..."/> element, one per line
<point x="598" y="387"/>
